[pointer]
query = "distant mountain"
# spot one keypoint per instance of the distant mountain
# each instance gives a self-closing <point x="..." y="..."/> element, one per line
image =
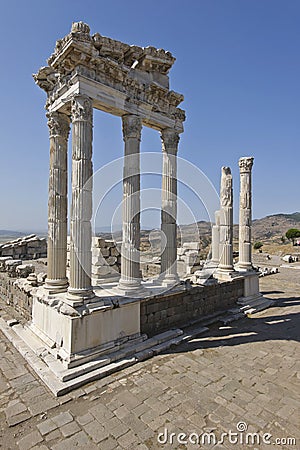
<point x="293" y="217"/>
<point x="270" y="228"/>
<point x="11" y="233"/>
<point x="275" y="226"/>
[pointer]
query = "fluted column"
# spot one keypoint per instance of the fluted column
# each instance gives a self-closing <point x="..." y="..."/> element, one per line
<point x="226" y="222"/>
<point x="170" y="140"/>
<point x="81" y="207"/>
<point x="130" y="280"/>
<point x="245" y="219"/>
<point x="215" y="241"/>
<point x="59" y="128"/>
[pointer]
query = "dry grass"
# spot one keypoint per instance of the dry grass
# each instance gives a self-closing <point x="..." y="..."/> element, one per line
<point x="273" y="248"/>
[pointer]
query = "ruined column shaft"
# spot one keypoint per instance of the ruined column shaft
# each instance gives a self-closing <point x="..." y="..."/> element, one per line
<point x="226" y="222"/>
<point x="170" y="140"/>
<point x="130" y="260"/>
<point x="59" y="128"/>
<point x="215" y="240"/>
<point x="81" y="207"/>
<point x="245" y="216"/>
<point x="226" y="233"/>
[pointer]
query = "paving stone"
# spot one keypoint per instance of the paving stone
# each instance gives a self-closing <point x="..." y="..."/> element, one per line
<point x="90" y="388"/>
<point x="139" y="410"/>
<point x="118" y="430"/>
<point x="101" y="412"/>
<point x="69" y="429"/>
<point x="149" y="416"/>
<point x="77" y="440"/>
<point x="33" y="393"/>
<point x="77" y="393"/>
<point x="128" y="399"/>
<point x="62" y="419"/>
<point x="127" y="440"/>
<point x="109" y="444"/>
<point x="96" y="431"/>
<point x="46" y="426"/>
<point x="159" y="407"/>
<point x="86" y="418"/>
<point x="22" y="380"/>
<point x="15" y="373"/>
<point x="15" y="408"/>
<point x="54" y="435"/>
<point x="134" y="423"/>
<point x="18" y="418"/>
<point x="40" y="447"/>
<point x="30" y="440"/>
<point x="44" y="404"/>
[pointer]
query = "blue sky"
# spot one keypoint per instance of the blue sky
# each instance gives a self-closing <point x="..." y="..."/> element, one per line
<point x="237" y="65"/>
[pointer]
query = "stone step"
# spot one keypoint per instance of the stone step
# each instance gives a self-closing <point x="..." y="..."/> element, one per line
<point x="259" y="306"/>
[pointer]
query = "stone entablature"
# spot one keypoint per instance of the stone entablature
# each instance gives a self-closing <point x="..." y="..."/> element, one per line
<point x="106" y="69"/>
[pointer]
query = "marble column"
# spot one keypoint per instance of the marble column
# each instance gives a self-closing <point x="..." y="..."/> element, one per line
<point x="215" y="241"/>
<point x="59" y="128"/>
<point x="226" y="222"/>
<point x="245" y="219"/>
<point x="130" y="280"/>
<point x="81" y="208"/>
<point x="170" y="140"/>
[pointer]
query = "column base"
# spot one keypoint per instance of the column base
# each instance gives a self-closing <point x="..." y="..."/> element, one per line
<point x="78" y="296"/>
<point x="169" y="280"/>
<point x="56" y="286"/>
<point x="130" y="288"/>
<point x="223" y="274"/>
<point x="244" y="267"/>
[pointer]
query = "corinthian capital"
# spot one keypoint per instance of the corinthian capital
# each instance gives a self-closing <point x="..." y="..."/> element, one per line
<point x="59" y="124"/>
<point x="132" y="126"/>
<point x="81" y="108"/>
<point x="246" y="164"/>
<point x="170" y="139"/>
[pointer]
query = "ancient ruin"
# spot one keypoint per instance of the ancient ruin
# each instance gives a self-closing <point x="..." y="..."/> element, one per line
<point x="86" y="331"/>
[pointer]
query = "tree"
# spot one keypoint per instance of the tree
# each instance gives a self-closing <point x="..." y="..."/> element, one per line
<point x="257" y="245"/>
<point x="292" y="234"/>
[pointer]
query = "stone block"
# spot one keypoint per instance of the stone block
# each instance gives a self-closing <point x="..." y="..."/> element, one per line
<point x="111" y="260"/>
<point x="101" y="270"/>
<point x="114" y="251"/>
<point x="191" y="245"/>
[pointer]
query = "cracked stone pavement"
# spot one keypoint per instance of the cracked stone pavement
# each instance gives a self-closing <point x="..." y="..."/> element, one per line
<point x="247" y="371"/>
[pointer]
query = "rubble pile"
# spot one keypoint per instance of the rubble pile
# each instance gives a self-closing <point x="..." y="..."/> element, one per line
<point x="28" y="247"/>
<point x="190" y="254"/>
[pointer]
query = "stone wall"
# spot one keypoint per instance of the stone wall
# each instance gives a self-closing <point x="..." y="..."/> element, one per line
<point x="106" y="260"/>
<point x="28" y="247"/>
<point x="183" y="308"/>
<point x="14" y="296"/>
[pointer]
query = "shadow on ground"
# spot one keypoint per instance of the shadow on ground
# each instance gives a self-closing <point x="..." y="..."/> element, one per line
<point x="281" y="327"/>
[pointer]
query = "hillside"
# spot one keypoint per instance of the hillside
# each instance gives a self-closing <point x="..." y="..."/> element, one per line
<point x="269" y="230"/>
<point x="272" y="228"/>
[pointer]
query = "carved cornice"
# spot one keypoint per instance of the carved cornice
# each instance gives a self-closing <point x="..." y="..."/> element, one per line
<point x="226" y="188"/>
<point x="246" y="164"/>
<point x="132" y="126"/>
<point x="170" y="140"/>
<point x="81" y="108"/>
<point x="59" y="125"/>
<point x="137" y="72"/>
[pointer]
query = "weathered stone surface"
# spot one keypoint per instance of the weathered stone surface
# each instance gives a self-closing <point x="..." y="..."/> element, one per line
<point x="28" y="247"/>
<point x="245" y="214"/>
